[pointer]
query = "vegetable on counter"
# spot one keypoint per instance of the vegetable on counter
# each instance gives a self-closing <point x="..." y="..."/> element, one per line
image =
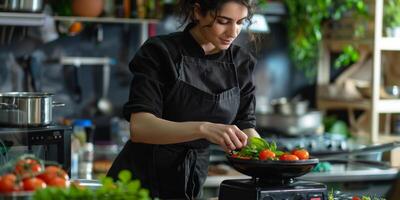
<point x="259" y="149"/>
<point x="123" y="189"/>
<point x="27" y="173"/>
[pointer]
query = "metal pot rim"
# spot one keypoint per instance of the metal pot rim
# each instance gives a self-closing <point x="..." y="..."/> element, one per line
<point x="26" y="94"/>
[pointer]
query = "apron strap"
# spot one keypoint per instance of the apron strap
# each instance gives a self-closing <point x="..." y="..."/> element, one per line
<point x="190" y="167"/>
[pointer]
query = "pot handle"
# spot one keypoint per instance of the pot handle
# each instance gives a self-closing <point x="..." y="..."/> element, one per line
<point x="8" y="106"/>
<point x="58" y="104"/>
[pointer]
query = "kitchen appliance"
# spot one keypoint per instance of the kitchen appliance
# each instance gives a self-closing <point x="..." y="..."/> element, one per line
<point x="26" y="109"/>
<point x="272" y="180"/>
<point x="50" y="143"/>
<point x="255" y="189"/>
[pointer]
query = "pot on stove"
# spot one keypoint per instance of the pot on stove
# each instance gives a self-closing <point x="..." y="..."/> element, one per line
<point x="26" y="109"/>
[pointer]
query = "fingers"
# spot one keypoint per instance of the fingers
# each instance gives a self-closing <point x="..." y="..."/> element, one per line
<point x="229" y="137"/>
<point x="241" y="136"/>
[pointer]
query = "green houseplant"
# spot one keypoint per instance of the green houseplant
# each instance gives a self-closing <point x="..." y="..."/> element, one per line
<point x="391" y="17"/>
<point x="305" y="21"/>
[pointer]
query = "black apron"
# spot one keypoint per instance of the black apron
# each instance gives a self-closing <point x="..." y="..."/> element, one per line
<point x="178" y="171"/>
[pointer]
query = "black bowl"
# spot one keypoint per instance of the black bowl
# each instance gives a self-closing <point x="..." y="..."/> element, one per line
<point x="273" y="169"/>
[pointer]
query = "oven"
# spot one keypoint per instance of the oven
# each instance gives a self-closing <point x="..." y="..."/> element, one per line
<point x="50" y="143"/>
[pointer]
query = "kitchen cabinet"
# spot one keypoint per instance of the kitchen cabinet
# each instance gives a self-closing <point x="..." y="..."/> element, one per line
<point x="374" y="106"/>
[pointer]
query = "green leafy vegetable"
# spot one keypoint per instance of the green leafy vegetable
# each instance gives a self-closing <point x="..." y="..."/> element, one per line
<point x="123" y="189"/>
<point x="255" y="145"/>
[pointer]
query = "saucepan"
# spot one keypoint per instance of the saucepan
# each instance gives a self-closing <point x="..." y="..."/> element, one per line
<point x="32" y="109"/>
<point x="273" y="169"/>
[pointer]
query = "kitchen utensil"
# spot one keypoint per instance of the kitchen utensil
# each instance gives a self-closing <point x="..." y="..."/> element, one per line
<point x="361" y="151"/>
<point x="104" y="105"/>
<point x="273" y="169"/>
<point x="285" y="107"/>
<point x="26" y="108"/>
<point x="291" y="125"/>
<point x="22" y="5"/>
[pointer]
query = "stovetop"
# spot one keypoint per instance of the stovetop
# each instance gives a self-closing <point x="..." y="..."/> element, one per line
<point x="8" y="130"/>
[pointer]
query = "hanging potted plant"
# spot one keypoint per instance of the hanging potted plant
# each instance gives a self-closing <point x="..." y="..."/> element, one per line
<point x="305" y="27"/>
<point x="391" y="18"/>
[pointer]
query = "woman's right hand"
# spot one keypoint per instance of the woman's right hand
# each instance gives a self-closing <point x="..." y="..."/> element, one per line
<point x="229" y="137"/>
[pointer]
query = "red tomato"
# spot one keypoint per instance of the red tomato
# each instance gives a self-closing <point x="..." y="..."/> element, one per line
<point x="266" y="154"/>
<point x="302" y="154"/>
<point x="52" y="172"/>
<point x="356" y="198"/>
<point x="8" y="183"/>
<point x="58" y="182"/>
<point x="288" y="157"/>
<point x="235" y="155"/>
<point x="27" y="168"/>
<point x="34" y="183"/>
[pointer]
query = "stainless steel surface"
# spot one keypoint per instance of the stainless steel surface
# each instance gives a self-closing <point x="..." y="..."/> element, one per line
<point x="310" y="122"/>
<point x="285" y="107"/>
<point x="104" y="104"/>
<point x="23" y="5"/>
<point x="340" y="172"/>
<point x="26" y="108"/>
<point x="362" y="151"/>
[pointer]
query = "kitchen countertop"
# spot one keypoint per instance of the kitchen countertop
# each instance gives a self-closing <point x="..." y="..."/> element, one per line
<point x="340" y="172"/>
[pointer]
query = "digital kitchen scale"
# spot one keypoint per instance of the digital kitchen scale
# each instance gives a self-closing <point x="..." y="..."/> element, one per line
<point x="256" y="189"/>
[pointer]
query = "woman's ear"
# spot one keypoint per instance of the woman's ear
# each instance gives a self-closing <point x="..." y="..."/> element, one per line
<point x="196" y="12"/>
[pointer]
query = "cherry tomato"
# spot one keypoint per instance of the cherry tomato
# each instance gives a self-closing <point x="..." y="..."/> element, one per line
<point x="234" y="155"/>
<point x="356" y="198"/>
<point x="266" y="154"/>
<point x="27" y="168"/>
<point x="302" y="154"/>
<point x="52" y="172"/>
<point x="34" y="183"/>
<point x="58" y="182"/>
<point x="8" y="183"/>
<point x="288" y="157"/>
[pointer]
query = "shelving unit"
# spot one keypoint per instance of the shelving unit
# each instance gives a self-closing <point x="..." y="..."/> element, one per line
<point x="380" y="106"/>
<point x="21" y="19"/>
<point x="144" y="23"/>
<point x="374" y="106"/>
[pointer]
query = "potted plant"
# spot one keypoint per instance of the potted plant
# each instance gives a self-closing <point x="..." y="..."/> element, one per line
<point x="305" y="27"/>
<point x="391" y="18"/>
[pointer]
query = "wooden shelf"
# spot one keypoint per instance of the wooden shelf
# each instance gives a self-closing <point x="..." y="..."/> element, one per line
<point x="390" y="44"/>
<point x="361" y="104"/>
<point x="21" y="19"/>
<point x="388" y="106"/>
<point x="388" y="138"/>
<point x="106" y="19"/>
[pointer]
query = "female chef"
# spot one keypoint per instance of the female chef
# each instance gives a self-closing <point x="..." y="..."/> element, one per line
<point x="189" y="89"/>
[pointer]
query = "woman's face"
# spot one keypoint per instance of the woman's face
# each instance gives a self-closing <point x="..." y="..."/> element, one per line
<point x="225" y="28"/>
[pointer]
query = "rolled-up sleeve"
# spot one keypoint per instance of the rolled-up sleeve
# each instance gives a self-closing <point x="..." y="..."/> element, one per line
<point x="146" y="91"/>
<point x="245" y="117"/>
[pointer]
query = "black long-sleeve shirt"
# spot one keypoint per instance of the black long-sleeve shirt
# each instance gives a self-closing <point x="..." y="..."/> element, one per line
<point x="154" y="70"/>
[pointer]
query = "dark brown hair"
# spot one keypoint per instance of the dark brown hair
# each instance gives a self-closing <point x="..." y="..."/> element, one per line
<point x="185" y="8"/>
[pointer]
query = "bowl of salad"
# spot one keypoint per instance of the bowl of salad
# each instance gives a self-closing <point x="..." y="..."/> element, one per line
<point x="263" y="160"/>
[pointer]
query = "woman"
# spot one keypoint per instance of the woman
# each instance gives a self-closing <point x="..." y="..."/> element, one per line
<point x="189" y="88"/>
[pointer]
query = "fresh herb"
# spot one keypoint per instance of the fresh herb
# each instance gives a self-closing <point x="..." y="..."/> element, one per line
<point x="123" y="189"/>
<point x="255" y="145"/>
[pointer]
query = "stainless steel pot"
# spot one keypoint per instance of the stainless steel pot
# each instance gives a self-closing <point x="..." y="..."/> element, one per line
<point x="22" y="5"/>
<point x="285" y="107"/>
<point x="26" y="108"/>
